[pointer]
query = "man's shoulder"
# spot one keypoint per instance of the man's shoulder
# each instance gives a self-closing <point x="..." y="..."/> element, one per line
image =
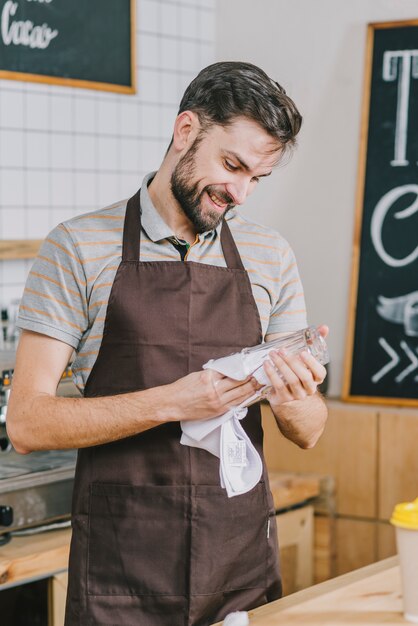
<point x="103" y="220"/>
<point x="244" y="228"/>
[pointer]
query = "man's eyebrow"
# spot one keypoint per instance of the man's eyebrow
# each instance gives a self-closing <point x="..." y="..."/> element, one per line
<point x="243" y="164"/>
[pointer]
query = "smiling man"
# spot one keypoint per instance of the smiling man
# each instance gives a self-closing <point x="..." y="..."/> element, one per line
<point x="145" y="292"/>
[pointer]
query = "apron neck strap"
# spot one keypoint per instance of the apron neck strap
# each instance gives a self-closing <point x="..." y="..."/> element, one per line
<point x="229" y="248"/>
<point x="132" y="229"/>
<point x="131" y="250"/>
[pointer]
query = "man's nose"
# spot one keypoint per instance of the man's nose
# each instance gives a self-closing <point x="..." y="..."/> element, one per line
<point x="238" y="191"/>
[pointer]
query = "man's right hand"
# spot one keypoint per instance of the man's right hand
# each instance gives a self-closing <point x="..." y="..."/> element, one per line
<point x="205" y="394"/>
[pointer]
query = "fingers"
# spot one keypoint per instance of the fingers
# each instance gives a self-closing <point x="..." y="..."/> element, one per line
<point x="232" y="392"/>
<point x="323" y="330"/>
<point x="299" y="374"/>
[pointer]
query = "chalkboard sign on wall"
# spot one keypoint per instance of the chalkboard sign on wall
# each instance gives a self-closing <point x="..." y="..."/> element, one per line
<point x="82" y="43"/>
<point x="382" y="350"/>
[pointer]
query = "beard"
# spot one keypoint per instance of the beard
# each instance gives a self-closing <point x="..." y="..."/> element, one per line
<point x="189" y="197"/>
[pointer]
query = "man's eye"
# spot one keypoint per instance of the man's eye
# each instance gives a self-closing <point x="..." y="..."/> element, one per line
<point x="230" y="166"/>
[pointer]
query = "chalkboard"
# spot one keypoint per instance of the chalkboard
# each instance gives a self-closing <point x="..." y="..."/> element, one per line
<point x="382" y="350"/>
<point x="82" y="43"/>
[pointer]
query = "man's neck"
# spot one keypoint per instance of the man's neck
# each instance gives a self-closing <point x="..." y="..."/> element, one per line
<point x="167" y="206"/>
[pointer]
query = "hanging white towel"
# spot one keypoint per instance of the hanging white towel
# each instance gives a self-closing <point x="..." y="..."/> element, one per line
<point x="240" y="466"/>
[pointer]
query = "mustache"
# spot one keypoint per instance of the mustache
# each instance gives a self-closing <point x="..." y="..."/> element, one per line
<point x="225" y="197"/>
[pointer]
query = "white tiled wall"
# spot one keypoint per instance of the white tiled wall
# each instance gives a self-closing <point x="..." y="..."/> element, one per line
<point x="65" y="151"/>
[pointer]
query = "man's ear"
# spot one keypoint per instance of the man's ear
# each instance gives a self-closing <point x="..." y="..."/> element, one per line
<point x="186" y="128"/>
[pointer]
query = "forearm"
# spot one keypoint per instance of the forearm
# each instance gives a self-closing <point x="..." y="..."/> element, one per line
<point x="37" y="420"/>
<point x="46" y="422"/>
<point x="302" y="421"/>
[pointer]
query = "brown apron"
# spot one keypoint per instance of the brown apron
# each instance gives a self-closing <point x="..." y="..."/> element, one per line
<point x="156" y="541"/>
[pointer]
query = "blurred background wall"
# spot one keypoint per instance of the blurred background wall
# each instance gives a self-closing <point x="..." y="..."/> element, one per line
<point x="316" y="50"/>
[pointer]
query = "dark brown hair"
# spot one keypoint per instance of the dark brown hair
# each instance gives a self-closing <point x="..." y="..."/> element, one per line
<point x="224" y="91"/>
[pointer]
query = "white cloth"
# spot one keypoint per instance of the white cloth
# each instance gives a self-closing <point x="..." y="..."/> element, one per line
<point x="238" y="618"/>
<point x="240" y="466"/>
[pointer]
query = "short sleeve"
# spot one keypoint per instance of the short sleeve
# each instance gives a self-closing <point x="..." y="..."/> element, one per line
<point x="54" y="301"/>
<point x="289" y="311"/>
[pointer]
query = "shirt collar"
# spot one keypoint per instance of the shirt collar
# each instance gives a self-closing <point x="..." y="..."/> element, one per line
<point x="154" y="225"/>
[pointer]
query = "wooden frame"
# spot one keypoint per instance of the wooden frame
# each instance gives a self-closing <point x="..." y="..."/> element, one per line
<point x="19" y="248"/>
<point x="85" y="84"/>
<point x="359" y="202"/>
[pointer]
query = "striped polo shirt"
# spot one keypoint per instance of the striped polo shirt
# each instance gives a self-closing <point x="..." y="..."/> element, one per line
<point x="68" y="287"/>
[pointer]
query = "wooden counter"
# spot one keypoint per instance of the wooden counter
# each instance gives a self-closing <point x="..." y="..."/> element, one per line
<point x="25" y="559"/>
<point x="370" y="595"/>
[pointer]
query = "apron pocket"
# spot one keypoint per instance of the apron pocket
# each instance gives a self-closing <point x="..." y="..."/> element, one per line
<point x="229" y="540"/>
<point x="138" y="540"/>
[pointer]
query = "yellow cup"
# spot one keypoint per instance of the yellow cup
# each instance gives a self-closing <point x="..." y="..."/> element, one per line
<point x="405" y="520"/>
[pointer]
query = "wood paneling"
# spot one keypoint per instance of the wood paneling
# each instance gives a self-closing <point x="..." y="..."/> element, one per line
<point x="295" y="532"/>
<point x="347" y="450"/>
<point x="57" y="598"/>
<point x="324" y="548"/>
<point x="398" y="459"/>
<point x="356" y="544"/>
<point x="386" y="541"/>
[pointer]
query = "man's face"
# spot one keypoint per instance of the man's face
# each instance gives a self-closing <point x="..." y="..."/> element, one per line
<point x="220" y="169"/>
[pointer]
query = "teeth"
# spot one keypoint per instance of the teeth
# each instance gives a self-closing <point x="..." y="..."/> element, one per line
<point x="215" y="199"/>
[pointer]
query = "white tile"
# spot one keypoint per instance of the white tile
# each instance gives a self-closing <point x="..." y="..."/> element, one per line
<point x="107" y="117"/>
<point x="62" y="188"/>
<point x="62" y="151"/>
<point x="13" y="223"/>
<point x="37" y="111"/>
<point x="12" y="292"/>
<point x="12" y="148"/>
<point x="168" y="19"/>
<point x="189" y="56"/>
<point x="207" y="55"/>
<point x="37" y="146"/>
<point x="63" y="214"/>
<point x="152" y="154"/>
<point x="169" y="54"/>
<point x="108" y="153"/>
<point x="38" y="223"/>
<point x="38" y="190"/>
<point x="85" y="115"/>
<point x="129" y="118"/>
<point x="150" y="121"/>
<point x="188" y="21"/>
<point x="11" y="109"/>
<point x="61" y="113"/>
<point x="12" y="184"/>
<point x="130" y="183"/>
<point x="85" y="190"/>
<point x="148" y="15"/>
<point x="129" y="154"/>
<point x="210" y="4"/>
<point x="166" y="122"/>
<point x="109" y="189"/>
<point x="206" y="28"/>
<point x="14" y="272"/>
<point x="148" y="50"/>
<point x="148" y="85"/>
<point x="85" y="152"/>
<point x="168" y="89"/>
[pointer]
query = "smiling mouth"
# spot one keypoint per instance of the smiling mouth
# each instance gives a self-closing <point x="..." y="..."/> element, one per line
<point x="217" y="201"/>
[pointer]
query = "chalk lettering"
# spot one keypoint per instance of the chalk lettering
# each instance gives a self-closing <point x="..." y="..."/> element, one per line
<point x="24" y="32"/>
<point x="379" y="215"/>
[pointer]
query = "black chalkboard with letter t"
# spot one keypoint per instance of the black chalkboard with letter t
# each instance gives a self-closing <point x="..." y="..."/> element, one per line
<point x="82" y="43"/>
<point x="382" y="348"/>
